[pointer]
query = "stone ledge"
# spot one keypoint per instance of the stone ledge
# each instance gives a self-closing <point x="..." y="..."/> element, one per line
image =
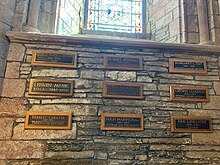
<point x="40" y="38"/>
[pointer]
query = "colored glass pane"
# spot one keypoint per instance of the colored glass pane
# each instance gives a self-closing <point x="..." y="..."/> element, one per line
<point x="115" y="15"/>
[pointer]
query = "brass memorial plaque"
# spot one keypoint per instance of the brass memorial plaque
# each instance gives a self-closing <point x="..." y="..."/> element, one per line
<point x="189" y="93"/>
<point x="51" y="87"/>
<point x="177" y="65"/>
<point x="122" y="90"/>
<point x="191" y="124"/>
<point x="123" y="62"/>
<point x="122" y="122"/>
<point x="54" y="59"/>
<point x="48" y="120"/>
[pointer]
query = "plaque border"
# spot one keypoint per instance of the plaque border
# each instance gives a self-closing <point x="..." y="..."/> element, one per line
<point x="173" y="70"/>
<point x="105" y="94"/>
<point x="54" y="64"/>
<point x="29" y="113"/>
<point x="104" y="115"/>
<point x="174" y="129"/>
<point x="172" y="97"/>
<point x="105" y="63"/>
<point x="50" y="94"/>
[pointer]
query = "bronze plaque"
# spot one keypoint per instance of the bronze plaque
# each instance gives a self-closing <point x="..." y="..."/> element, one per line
<point x="123" y="62"/>
<point x="189" y="93"/>
<point x="122" y="90"/>
<point x="191" y="124"/>
<point x="54" y="59"/>
<point x="187" y="66"/>
<point x="48" y="120"/>
<point x="51" y="87"/>
<point x="122" y="122"/>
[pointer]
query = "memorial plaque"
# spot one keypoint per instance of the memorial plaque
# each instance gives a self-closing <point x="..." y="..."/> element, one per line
<point x="123" y="122"/>
<point x="123" y="62"/>
<point x="122" y="90"/>
<point x="51" y="87"/>
<point x="48" y="120"/>
<point x="188" y="93"/>
<point x="54" y="59"/>
<point x="187" y="66"/>
<point x="191" y="124"/>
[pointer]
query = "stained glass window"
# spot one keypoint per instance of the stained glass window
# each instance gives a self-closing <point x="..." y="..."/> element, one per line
<point x="115" y="15"/>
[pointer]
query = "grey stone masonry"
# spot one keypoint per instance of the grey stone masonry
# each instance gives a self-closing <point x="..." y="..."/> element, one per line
<point x="86" y="143"/>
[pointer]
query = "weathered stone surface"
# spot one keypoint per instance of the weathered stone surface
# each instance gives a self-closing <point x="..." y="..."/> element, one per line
<point x="203" y="154"/>
<point x="141" y="157"/>
<point x="3" y="162"/>
<point x="16" y="52"/>
<point x="92" y="74"/>
<point x="113" y="75"/>
<point x="127" y="76"/>
<point x="55" y="73"/>
<point x="75" y="109"/>
<point x="13" y="107"/>
<point x="13" y="87"/>
<point x="21" y="150"/>
<point x="101" y="155"/>
<point x="72" y="155"/>
<point x="77" y="101"/>
<point x="206" y="138"/>
<point x="214" y="103"/>
<point x="217" y="87"/>
<point x="6" y="128"/>
<point x="2" y="67"/>
<point x="21" y="134"/>
<point x="144" y="79"/>
<point x="12" y="70"/>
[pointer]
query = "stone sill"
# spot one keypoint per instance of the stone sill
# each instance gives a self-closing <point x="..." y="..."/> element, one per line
<point x="108" y="41"/>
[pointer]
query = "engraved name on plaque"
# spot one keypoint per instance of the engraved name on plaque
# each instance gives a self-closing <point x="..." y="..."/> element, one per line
<point x="122" y="90"/>
<point x="187" y="66"/>
<point x="48" y="120"/>
<point x="54" y="59"/>
<point x="123" y="62"/>
<point x="123" y="122"/>
<point x="51" y="87"/>
<point x="189" y="93"/>
<point x="191" y="124"/>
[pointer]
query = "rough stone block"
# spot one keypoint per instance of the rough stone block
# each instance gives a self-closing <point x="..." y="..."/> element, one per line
<point x="21" y="150"/>
<point x="16" y="52"/>
<point x="199" y="155"/>
<point x="6" y="14"/>
<point x="127" y="76"/>
<point x="55" y="73"/>
<point x="144" y="79"/>
<point x="6" y="128"/>
<point x="12" y="70"/>
<point x="206" y="138"/>
<point x="217" y="87"/>
<point x="75" y="109"/>
<point x="72" y="155"/>
<point x="13" y="107"/>
<point x="214" y="103"/>
<point x="13" y="88"/>
<point x="21" y="134"/>
<point x="90" y="74"/>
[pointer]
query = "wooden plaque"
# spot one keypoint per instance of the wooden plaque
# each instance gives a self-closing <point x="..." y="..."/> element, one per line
<point x="191" y="124"/>
<point x="187" y="66"/>
<point x="122" y="122"/>
<point x="54" y="59"/>
<point x="123" y="62"/>
<point x="48" y="120"/>
<point x="189" y="93"/>
<point x="122" y="90"/>
<point x="51" y="87"/>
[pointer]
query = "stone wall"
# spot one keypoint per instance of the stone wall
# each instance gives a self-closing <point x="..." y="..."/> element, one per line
<point x="164" y="20"/>
<point x="86" y="143"/>
<point x="6" y="17"/>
